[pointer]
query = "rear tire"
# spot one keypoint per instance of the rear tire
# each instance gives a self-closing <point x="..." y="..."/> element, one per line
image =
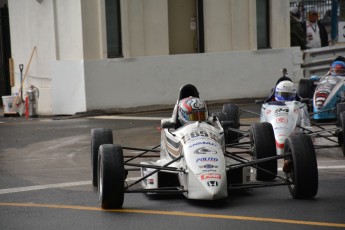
<point x="263" y="145"/>
<point x="99" y="136"/>
<point x="305" y="88"/>
<point x="340" y="109"/>
<point x="233" y="114"/>
<point x="304" y="172"/>
<point x="111" y="176"/>
<point x="230" y="112"/>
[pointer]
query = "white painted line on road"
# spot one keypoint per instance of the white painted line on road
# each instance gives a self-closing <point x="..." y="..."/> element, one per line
<point x="325" y="167"/>
<point x="129" y="118"/>
<point x="38" y="187"/>
<point x="71" y="184"/>
<point x="60" y="185"/>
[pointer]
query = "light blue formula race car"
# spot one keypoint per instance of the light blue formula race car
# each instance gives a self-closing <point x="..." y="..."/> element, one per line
<point x="327" y="93"/>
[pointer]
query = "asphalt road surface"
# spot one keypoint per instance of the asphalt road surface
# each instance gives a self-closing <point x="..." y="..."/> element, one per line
<point x="45" y="183"/>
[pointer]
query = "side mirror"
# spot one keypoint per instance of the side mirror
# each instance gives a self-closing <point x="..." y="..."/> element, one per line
<point x="168" y="125"/>
<point x="227" y="124"/>
<point x="304" y="100"/>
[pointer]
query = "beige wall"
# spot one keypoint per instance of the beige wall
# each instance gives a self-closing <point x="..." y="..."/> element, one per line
<point x="93" y="33"/>
<point x="280" y="24"/>
<point x="229" y="25"/>
<point x="145" y="27"/>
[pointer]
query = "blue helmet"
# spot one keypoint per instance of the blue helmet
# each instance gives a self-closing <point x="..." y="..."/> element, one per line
<point x="338" y="68"/>
<point x="285" y="91"/>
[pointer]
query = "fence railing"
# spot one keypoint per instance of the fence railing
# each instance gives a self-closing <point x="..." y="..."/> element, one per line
<point x="317" y="61"/>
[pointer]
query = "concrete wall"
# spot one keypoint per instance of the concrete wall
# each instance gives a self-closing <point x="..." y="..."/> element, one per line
<point x="132" y="82"/>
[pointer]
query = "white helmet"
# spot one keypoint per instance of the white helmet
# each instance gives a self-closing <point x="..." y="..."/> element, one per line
<point x="192" y="109"/>
<point x="285" y="91"/>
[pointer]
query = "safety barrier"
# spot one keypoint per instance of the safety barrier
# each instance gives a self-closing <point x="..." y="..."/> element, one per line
<point x="317" y="61"/>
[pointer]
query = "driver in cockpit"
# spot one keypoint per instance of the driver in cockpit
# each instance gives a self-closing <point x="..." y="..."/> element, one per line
<point x="338" y="68"/>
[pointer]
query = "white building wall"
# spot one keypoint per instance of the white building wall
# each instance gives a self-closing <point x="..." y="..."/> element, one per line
<point x="71" y="70"/>
<point x="132" y="82"/>
<point x="69" y="29"/>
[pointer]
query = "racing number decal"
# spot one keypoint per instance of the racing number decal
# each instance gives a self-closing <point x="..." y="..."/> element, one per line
<point x="194" y="134"/>
<point x="199" y="133"/>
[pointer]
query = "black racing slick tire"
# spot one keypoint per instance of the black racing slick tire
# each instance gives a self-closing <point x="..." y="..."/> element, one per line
<point x="303" y="172"/>
<point x="305" y="88"/>
<point x="263" y="146"/>
<point x="99" y="136"/>
<point x="111" y="176"/>
<point x="340" y="109"/>
<point x="232" y="111"/>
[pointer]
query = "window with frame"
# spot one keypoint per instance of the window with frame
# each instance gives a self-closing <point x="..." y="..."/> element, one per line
<point x="262" y="19"/>
<point x="113" y="28"/>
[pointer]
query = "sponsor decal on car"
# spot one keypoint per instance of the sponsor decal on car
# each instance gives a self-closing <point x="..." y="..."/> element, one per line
<point x="282" y="120"/>
<point x="208" y="166"/>
<point x="206" y="159"/>
<point x="210" y="176"/>
<point x="203" y="143"/>
<point x="281" y="112"/>
<point x="212" y="183"/>
<point x="281" y="127"/>
<point x="268" y="111"/>
<point x="208" y="170"/>
<point x="204" y="150"/>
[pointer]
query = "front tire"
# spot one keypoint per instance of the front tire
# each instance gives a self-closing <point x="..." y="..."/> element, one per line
<point x="303" y="166"/>
<point x="99" y="136"/>
<point x="111" y="175"/>
<point x="263" y="146"/>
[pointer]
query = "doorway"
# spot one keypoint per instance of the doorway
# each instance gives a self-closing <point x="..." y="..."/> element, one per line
<point x="185" y="26"/>
<point x="5" y="52"/>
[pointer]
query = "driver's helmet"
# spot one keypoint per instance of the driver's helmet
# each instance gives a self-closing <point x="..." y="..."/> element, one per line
<point x="338" y="68"/>
<point x="192" y="109"/>
<point x="285" y="91"/>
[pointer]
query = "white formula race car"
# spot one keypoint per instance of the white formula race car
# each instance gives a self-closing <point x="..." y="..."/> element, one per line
<point x="194" y="160"/>
<point x="287" y="118"/>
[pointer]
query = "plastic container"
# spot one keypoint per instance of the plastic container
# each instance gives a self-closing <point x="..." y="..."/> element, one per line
<point x="8" y="101"/>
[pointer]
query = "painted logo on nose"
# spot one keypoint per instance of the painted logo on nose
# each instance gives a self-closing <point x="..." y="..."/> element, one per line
<point x="206" y="159"/>
<point x="204" y="150"/>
